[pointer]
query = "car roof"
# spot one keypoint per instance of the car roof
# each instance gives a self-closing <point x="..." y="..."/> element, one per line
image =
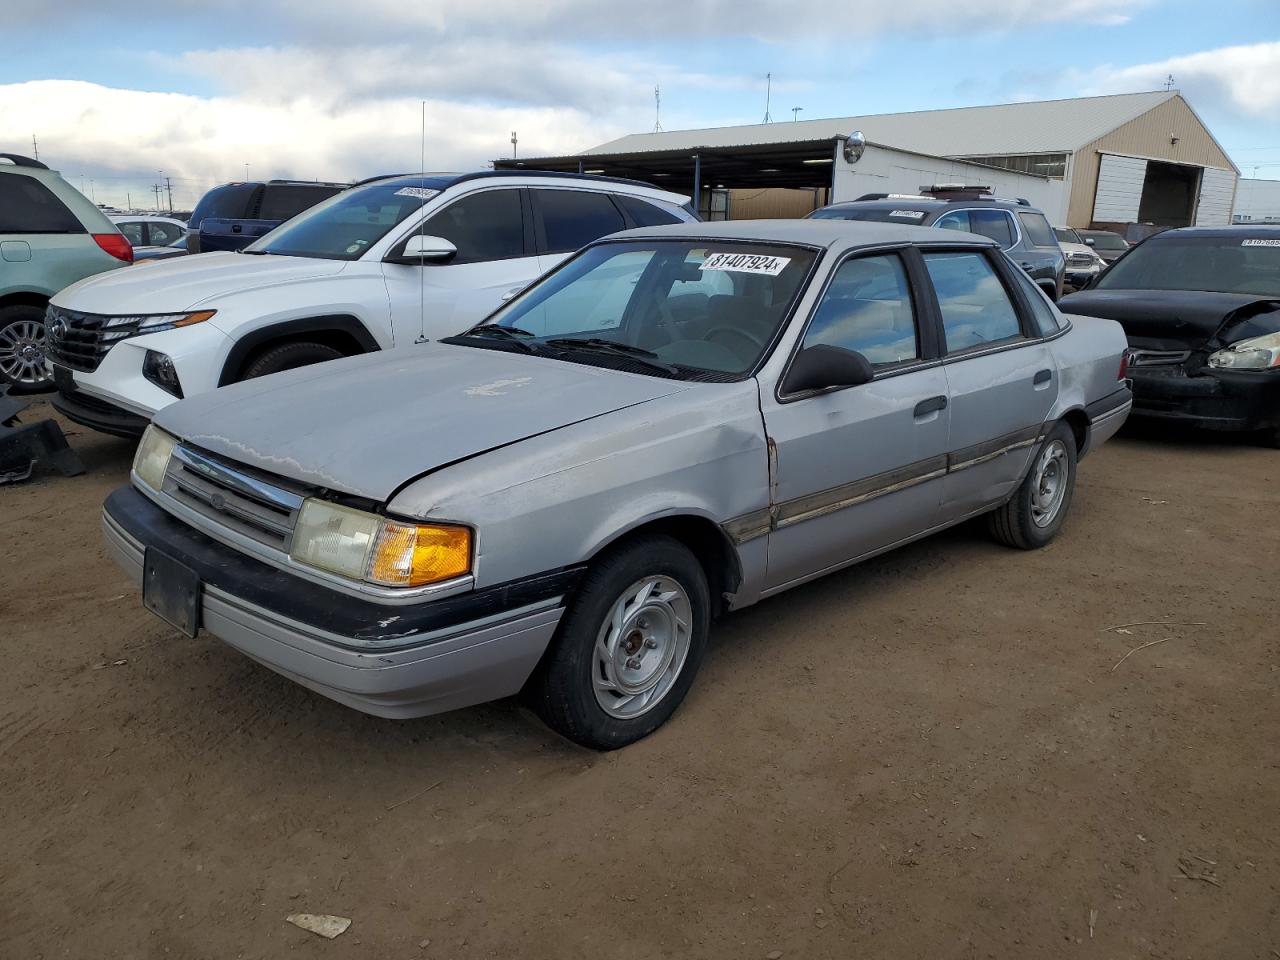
<point x="819" y="233"/>
<point x="931" y="203"/>
<point x="1234" y="232"/>
<point x="442" y="181"/>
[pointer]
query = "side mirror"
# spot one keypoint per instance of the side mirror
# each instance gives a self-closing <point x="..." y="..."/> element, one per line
<point x="822" y="367"/>
<point x="425" y="249"/>
<point x="1090" y="241"/>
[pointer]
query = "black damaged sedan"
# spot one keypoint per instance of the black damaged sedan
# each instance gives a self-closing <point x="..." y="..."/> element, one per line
<point x="1201" y="308"/>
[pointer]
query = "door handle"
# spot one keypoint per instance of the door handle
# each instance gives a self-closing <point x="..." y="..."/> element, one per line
<point x="1044" y="376"/>
<point x="932" y="405"/>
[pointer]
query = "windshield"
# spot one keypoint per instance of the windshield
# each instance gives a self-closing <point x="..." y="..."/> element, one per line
<point x="345" y="226"/>
<point x="1067" y="235"/>
<point x="1213" y="264"/>
<point x="692" y="309"/>
<point x="870" y="214"/>
<point x="1107" y="241"/>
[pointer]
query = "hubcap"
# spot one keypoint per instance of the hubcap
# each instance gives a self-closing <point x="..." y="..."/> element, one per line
<point x="641" y="647"/>
<point x="22" y="348"/>
<point x="1049" y="484"/>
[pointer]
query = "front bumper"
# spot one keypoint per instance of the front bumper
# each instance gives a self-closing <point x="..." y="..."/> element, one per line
<point x="389" y="661"/>
<point x="1215" y="400"/>
<point x="90" y="411"/>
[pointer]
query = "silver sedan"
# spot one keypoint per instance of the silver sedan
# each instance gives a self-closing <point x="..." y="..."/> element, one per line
<point x="674" y="424"/>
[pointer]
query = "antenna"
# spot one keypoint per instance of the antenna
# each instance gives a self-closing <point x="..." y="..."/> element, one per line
<point x="657" y="113"/>
<point x="35" y="150"/>
<point x="1168" y="83"/>
<point x="768" y="96"/>
<point x="422" y="232"/>
<point x="514" y="141"/>
<point x="795" y="113"/>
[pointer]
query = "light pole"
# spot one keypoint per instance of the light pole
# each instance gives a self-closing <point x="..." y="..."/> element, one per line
<point x="246" y="171"/>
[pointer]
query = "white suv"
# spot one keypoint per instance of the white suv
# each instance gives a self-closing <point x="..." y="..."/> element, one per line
<point x="391" y="261"/>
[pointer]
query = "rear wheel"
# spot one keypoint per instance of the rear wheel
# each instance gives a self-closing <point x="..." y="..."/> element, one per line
<point x="628" y="647"/>
<point x="23" y="366"/>
<point x="288" y="356"/>
<point x="1036" y="512"/>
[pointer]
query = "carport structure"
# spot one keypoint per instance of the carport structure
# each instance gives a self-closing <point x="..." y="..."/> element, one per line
<point x="804" y="164"/>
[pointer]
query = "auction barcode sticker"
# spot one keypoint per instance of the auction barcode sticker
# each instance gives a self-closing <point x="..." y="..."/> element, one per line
<point x="908" y="214"/>
<point x="422" y="193"/>
<point x="746" y="263"/>
<point x="1260" y="243"/>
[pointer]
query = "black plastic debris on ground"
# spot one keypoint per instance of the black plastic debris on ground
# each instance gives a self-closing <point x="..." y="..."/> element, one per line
<point x="24" y="445"/>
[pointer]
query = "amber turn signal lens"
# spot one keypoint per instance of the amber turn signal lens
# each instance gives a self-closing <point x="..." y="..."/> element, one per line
<point x="412" y="555"/>
<point x="190" y="318"/>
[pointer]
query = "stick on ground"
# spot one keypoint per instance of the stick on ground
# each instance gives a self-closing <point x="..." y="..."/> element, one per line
<point x="1150" y="643"/>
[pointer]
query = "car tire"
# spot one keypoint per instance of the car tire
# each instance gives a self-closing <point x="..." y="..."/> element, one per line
<point x="21" y="332"/>
<point x="629" y="646"/>
<point x="288" y="356"/>
<point x="1035" y="513"/>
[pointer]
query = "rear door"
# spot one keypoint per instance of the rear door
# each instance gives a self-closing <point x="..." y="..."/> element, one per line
<point x="43" y="244"/>
<point x="567" y="220"/>
<point x="860" y="468"/>
<point x="495" y="257"/>
<point x="1000" y="375"/>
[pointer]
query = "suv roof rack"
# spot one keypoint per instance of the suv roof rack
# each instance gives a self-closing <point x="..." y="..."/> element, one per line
<point x="18" y="160"/>
<point x="307" y="183"/>
<point x="521" y="172"/>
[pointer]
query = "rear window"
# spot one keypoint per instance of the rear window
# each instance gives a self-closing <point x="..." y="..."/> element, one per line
<point x="1037" y="229"/>
<point x="231" y="201"/>
<point x="646" y="214"/>
<point x="281" y="201"/>
<point x="28" y="206"/>
<point x="573" y="218"/>
<point x="986" y="223"/>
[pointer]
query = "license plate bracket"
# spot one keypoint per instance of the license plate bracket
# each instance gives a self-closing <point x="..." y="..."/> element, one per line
<point x="171" y="590"/>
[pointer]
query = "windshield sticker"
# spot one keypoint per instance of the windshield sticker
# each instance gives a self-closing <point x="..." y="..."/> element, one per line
<point x="746" y="263"/>
<point x="1260" y="243"/>
<point x="422" y="193"/>
<point x="909" y="214"/>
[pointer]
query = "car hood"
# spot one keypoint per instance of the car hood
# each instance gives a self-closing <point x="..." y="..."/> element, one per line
<point x="182" y="283"/>
<point x="1177" y="319"/>
<point x="366" y="425"/>
<point x="1070" y="248"/>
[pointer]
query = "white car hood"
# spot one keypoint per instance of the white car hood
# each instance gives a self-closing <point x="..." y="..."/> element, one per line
<point x="185" y="283"/>
<point x="1070" y="248"/>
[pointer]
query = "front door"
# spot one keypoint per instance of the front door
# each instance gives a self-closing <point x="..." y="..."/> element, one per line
<point x="858" y="469"/>
<point x="1001" y="378"/>
<point x="495" y="257"/>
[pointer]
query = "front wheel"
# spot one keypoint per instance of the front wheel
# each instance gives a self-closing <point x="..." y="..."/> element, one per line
<point x="628" y="647"/>
<point x="1036" y="512"/>
<point x="289" y="356"/>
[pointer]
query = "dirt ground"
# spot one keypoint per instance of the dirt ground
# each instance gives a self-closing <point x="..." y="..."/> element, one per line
<point x="934" y="755"/>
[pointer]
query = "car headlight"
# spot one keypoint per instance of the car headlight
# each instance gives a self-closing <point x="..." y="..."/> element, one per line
<point x="1256" y="353"/>
<point x="365" y="546"/>
<point x="152" y="457"/>
<point x="156" y="322"/>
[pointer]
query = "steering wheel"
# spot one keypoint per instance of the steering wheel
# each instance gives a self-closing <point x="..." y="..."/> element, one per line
<point x="746" y="335"/>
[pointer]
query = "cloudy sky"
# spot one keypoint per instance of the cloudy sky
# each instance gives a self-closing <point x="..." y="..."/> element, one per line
<point x="321" y="89"/>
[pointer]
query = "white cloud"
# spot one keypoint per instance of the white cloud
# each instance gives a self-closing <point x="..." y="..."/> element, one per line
<point x="1243" y="79"/>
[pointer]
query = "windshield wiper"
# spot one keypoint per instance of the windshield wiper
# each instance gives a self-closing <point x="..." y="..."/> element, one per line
<point x="256" y="253"/>
<point x="513" y="335"/>
<point x="613" y="348"/>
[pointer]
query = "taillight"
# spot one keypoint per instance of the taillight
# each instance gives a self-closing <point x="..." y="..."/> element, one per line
<point x="115" y="244"/>
<point x="1124" y="366"/>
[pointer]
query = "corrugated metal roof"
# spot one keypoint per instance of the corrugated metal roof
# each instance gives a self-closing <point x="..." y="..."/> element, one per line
<point x="1044" y="126"/>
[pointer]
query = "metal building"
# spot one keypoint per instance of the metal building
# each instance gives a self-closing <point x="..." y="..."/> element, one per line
<point x="1110" y="162"/>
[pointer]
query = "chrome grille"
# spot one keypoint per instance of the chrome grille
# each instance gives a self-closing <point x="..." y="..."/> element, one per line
<point x="233" y="498"/>
<point x="80" y="340"/>
<point x="1157" y="358"/>
<point x="1079" y="260"/>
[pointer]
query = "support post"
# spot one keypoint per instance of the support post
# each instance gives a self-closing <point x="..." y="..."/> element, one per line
<point x="697" y="185"/>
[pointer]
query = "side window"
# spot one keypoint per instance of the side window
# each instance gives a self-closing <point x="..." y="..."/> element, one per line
<point x="28" y="206"/>
<point x="1045" y="316"/>
<point x="976" y="309"/>
<point x="133" y="232"/>
<point x="573" y="218"/>
<point x="644" y="213"/>
<point x="483" y="226"/>
<point x="959" y="220"/>
<point x="163" y="234"/>
<point x="868" y="308"/>
<point x="995" y="224"/>
<point x="1037" y="229"/>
